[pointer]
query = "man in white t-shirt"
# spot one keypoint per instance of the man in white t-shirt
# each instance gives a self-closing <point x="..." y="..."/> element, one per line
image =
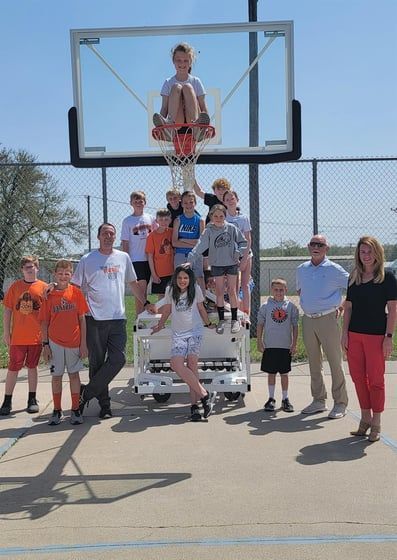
<point x="134" y="233"/>
<point x="102" y="275"/>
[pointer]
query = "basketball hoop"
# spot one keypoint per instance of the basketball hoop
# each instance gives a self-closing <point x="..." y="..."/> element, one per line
<point x="181" y="146"/>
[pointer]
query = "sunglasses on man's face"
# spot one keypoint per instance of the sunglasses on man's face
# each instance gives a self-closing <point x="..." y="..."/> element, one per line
<point x="317" y="244"/>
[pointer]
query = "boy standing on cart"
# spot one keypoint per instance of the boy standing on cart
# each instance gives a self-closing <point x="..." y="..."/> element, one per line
<point x="277" y="334"/>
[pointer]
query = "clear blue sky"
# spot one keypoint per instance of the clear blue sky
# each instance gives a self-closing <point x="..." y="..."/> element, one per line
<point x="345" y="66"/>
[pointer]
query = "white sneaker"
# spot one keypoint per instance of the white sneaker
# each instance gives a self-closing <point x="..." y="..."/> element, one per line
<point x="314" y="407"/>
<point x="338" y="411"/>
<point x="220" y="328"/>
<point x="235" y="328"/>
<point x="159" y="120"/>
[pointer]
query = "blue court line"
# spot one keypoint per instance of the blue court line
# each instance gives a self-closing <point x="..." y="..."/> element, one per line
<point x="246" y="541"/>
<point x="386" y="440"/>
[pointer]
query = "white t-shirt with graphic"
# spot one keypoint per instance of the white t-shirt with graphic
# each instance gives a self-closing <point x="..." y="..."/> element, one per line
<point x="135" y="230"/>
<point x="102" y="279"/>
<point x="185" y="320"/>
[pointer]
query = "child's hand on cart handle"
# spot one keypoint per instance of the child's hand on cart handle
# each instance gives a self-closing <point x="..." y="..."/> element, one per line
<point x="157" y="328"/>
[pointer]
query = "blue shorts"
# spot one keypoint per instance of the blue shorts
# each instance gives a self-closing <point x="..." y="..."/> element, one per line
<point x="186" y="345"/>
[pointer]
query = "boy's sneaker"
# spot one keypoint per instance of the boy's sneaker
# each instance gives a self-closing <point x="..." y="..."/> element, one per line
<point x="199" y="133"/>
<point x="105" y="413"/>
<point x="195" y="415"/>
<point x="33" y="406"/>
<point x="5" y="409"/>
<point x="159" y="120"/>
<point x="220" y="327"/>
<point x="286" y="405"/>
<point x="235" y="328"/>
<point x="75" y="417"/>
<point x="208" y="406"/>
<point x="82" y="400"/>
<point x="270" y="405"/>
<point x="56" y="418"/>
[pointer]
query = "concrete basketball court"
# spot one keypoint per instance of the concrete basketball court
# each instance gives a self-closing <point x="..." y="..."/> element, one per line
<point x="148" y="484"/>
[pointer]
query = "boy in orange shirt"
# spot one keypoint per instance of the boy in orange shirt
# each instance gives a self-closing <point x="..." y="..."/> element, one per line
<point x="160" y="253"/>
<point x="22" y="331"/>
<point x="63" y="328"/>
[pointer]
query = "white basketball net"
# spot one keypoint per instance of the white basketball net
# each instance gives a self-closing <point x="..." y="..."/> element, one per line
<point x="181" y="146"/>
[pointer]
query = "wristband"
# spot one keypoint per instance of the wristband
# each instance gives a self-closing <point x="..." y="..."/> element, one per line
<point x="147" y="302"/>
<point x="389" y="335"/>
<point x="208" y="324"/>
<point x="45" y="343"/>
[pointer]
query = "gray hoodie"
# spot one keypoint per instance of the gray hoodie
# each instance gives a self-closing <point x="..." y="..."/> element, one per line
<point x="225" y="245"/>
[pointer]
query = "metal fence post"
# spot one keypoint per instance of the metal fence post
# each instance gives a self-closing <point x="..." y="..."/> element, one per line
<point x="315" y="200"/>
<point x="104" y="195"/>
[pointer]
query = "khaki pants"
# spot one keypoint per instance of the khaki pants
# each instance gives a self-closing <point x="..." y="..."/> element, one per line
<point x="320" y="334"/>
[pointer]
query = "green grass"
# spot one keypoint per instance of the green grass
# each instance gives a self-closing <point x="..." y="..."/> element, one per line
<point x="130" y="309"/>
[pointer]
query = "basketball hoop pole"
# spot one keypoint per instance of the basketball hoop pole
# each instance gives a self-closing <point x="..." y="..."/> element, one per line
<point x="253" y="168"/>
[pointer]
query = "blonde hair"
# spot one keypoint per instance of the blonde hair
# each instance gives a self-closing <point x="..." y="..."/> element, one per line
<point x="30" y="259"/>
<point x="63" y="263"/>
<point x="172" y="192"/>
<point x="356" y="276"/>
<point x="221" y="182"/>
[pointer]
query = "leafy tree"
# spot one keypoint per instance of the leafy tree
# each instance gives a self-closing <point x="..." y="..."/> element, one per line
<point x="33" y="216"/>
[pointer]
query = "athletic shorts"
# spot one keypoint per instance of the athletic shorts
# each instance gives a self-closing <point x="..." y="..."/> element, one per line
<point x="64" y="357"/>
<point x="181" y="258"/>
<point x="186" y="345"/>
<point x="276" y="360"/>
<point x="160" y="288"/>
<point x="142" y="270"/>
<point x="222" y="270"/>
<point x="24" y="355"/>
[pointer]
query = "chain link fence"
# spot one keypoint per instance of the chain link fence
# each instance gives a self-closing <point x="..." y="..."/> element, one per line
<point x="342" y="198"/>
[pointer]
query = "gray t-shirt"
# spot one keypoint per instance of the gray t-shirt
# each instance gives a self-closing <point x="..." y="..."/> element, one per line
<point x="278" y="318"/>
<point x="102" y="279"/>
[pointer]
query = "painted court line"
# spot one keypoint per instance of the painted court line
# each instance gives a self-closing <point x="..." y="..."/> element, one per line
<point x="19" y="432"/>
<point x="246" y="541"/>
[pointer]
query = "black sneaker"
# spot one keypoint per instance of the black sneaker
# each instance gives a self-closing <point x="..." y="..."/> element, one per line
<point x="270" y="405"/>
<point x="195" y="415"/>
<point x="5" y="410"/>
<point x="82" y="400"/>
<point x="105" y="413"/>
<point x="33" y="406"/>
<point x="286" y="405"/>
<point x="207" y="406"/>
<point x="55" y="418"/>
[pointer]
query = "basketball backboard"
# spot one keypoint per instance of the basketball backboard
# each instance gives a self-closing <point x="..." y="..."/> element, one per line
<point x="118" y="74"/>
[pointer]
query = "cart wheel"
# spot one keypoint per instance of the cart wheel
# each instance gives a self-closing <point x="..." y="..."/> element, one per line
<point x="161" y="398"/>
<point x="232" y="396"/>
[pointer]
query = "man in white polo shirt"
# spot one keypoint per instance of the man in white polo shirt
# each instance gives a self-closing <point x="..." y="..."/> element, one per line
<point x="320" y="283"/>
<point x="102" y="275"/>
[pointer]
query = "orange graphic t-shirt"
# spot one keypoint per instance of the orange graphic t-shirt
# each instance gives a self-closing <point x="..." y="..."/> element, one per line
<point x="25" y="299"/>
<point x="160" y="246"/>
<point x="62" y="310"/>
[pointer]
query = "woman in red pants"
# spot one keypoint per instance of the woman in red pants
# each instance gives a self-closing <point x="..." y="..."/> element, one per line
<point x="368" y="328"/>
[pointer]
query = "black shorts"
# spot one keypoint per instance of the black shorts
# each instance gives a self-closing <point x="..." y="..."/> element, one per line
<point x="142" y="270"/>
<point x="160" y="288"/>
<point x="276" y="360"/>
<point x="222" y="270"/>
